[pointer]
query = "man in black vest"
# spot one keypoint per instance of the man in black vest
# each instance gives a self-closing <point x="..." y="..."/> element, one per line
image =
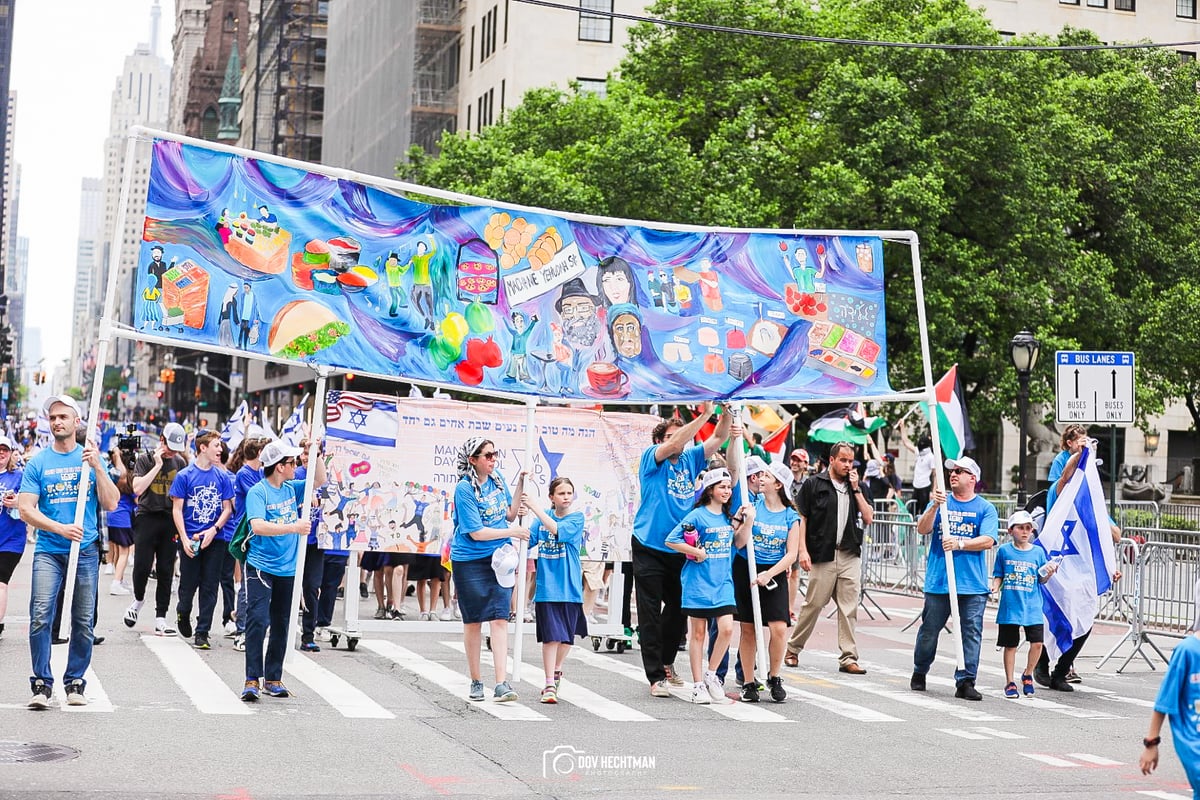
<point x="834" y="510"/>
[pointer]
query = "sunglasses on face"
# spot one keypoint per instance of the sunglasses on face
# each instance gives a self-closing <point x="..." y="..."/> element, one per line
<point x="961" y="471"/>
<point x="490" y="455"/>
<point x="288" y="462"/>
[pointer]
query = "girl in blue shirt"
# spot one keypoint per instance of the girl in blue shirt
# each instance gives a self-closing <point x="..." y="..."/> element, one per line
<point x="776" y="532"/>
<point x="483" y="511"/>
<point x="705" y="536"/>
<point x="12" y="529"/>
<point x="559" y="537"/>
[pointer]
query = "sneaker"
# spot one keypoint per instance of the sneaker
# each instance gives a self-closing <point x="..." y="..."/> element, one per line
<point x="750" y="692"/>
<point x="362" y="590"/>
<point x="426" y="616"/>
<point x="42" y="694"/>
<point x="131" y="614"/>
<point x="395" y="613"/>
<point x="239" y="642"/>
<point x="966" y="691"/>
<point x="74" y="691"/>
<point x="1027" y="685"/>
<point x="672" y="678"/>
<point x="250" y="691"/>
<point x="778" y="693"/>
<point x="201" y="642"/>
<point x="917" y="682"/>
<point x="504" y="693"/>
<point x="183" y="624"/>
<point x="381" y="613"/>
<point x="230" y="629"/>
<point x="457" y="612"/>
<point x="310" y="647"/>
<point x="700" y="694"/>
<point x="550" y="694"/>
<point x="447" y="614"/>
<point x="1073" y="677"/>
<point x="660" y="689"/>
<point x="528" y="616"/>
<point x="1010" y="691"/>
<point x="276" y="689"/>
<point x="512" y="616"/>
<point x="1" y="631"/>
<point x="1060" y="684"/>
<point x="108" y="569"/>
<point x="1041" y="675"/>
<point x="161" y="628"/>
<point x="716" y="689"/>
<point x="117" y="588"/>
<point x="476" y="691"/>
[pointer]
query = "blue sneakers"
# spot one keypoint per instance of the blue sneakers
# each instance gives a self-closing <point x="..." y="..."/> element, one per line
<point x="476" y="691"/>
<point x="505" y="693"/>
<point x="250" y="692"/>
<point x="1010" y="691"/>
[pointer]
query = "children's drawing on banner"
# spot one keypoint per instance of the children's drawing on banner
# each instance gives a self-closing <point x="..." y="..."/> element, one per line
<point x="343" y="274"/>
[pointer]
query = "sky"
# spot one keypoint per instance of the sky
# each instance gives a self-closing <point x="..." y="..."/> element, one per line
<point x="66" y="58"/>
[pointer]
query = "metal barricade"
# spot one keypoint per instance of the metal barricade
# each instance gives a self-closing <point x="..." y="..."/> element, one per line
<point x="1181" y="511"/>
<point x="1137" y="514"/>
<point x="1163" y="535"/>
<point x="893" y="554"/>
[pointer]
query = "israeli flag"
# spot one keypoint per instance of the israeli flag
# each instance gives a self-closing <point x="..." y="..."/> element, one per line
<point x="362" y="419"/>
<point x="292" y="432"/>
<point x="235" y="428"/>
<point x="1076" y="528"/>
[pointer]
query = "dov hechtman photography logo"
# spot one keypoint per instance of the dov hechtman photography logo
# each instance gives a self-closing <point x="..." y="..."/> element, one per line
<point x="566" y="761"/>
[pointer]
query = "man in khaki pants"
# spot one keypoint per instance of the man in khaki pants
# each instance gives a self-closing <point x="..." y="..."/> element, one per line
<point x="834" y="510"/>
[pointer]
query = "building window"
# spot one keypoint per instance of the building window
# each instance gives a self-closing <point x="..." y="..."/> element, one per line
<point x="1186" y="55"/>
<point x="471" y="56"/>
<point x="596" y="86"/>
<point x="1185" y="8"/>
<point x="1097" y="3"/>
<point x="209" y="124"/>
<point x="230" y="22"/>
<point x="1068" y="2"/>
<point x="595" y="27"/>
<point x="1125" y="5"/>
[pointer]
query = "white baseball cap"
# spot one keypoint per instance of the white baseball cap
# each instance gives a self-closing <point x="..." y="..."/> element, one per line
<point x="277" y="451"/>
<point x="782" y="474"/>
<point x="713" y="477"/>
<point x="755" y="465"/>
<point x="504" y="564"/>
<point x="176" y="436"/>
<point x="7" y="442"/>
<point x="967" y="463"/>
<point x="65" y="399"/>
<point x="1020" y="518"/>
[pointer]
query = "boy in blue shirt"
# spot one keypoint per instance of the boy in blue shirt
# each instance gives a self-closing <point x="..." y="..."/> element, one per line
<point x="1020" y="568"/>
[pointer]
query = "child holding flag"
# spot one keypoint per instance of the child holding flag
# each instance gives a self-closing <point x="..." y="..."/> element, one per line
<point x="558" y="536"/>
<point x="1020" y="568"/>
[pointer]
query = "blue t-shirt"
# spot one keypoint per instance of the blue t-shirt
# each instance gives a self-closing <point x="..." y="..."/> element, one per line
<point x="559" y="574"/>
<point x="473" y="511"/>
<point x="204" y="492"/>
<point x="12" y="531"/>
<point x="1057" y="466"/>
<point x="707" y="583"/>
<point x="668" y="494"/>
<point x="122" y="515"/>
<point x="976" y="517"/>
<point x="54" y="478"/>
<point x="245" y="480"/>
<point x="1020" y="596"/>
<point x="1179" y="699"/>
<point x="770" y="532"/>
<point x="275" y="555"/>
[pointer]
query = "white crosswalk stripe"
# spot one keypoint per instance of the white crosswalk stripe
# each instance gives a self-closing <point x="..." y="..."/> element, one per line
<point x="569" y="692"/>
<point x="981" y="733"/>
<point x="348" y="699"/>
<point x="453" y="682"/>
<point x="199" y="682"/>
<point x="1052" y="761"/>
<point x="1099" y="761"/>
<point x="1161" y="795"/>
<point x="840" y="707"/>
<point x="98" y="701"/>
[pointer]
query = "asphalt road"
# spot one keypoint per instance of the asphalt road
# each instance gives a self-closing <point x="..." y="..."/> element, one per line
<point x="391" y="720"/>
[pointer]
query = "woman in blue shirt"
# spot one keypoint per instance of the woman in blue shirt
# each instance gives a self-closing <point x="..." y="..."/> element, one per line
<point x="12" y="529"/>
<point x="483" y="509"/>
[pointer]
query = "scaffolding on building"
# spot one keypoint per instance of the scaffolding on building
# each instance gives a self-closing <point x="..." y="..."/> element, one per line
<point x="435" y="72"/>
<point x="289" y="86"/>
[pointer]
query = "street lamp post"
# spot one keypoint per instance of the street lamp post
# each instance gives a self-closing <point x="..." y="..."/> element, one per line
<point x="1023" y="351"/>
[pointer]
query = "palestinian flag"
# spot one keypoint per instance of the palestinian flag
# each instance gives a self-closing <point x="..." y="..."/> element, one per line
<point x="954" y="428"/>
<point x="850" y="424"/>
<point x="777" y="442"/>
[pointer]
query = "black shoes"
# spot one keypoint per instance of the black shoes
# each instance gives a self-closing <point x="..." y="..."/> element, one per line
<point x="183" y="624"/>
<point x="966" y="691"/>
<point x="749" y="692"/>
<point x="1059" y="684"/>
<point x="1042" y="676"/>
<point x="917" y="682"/>
<point x="202" y="642"/>
<point x="778" y="693"/>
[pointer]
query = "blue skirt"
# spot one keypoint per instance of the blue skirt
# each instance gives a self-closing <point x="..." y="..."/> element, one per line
<point x="560" y="622"/>
<point x="480" y="597"/>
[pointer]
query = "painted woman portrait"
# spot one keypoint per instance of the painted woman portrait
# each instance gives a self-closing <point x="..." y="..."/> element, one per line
<point x="614" y="279"/>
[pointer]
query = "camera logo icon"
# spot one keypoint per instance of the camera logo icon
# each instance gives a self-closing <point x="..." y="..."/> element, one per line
<point x="560" y="761"/>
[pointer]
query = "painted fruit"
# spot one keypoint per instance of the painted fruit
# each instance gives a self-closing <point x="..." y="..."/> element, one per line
<point x="492" y="357"/>
<point x="468" y="373"/>
<point x="479" y="318"/>
<point x="455" y="328"/>
<point x="443" y="352"/>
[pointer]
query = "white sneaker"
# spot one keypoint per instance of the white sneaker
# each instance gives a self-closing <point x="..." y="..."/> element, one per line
<point x="230" y="629"/>
<point x="447" y="614"/>
<point x="108" y="569"/>
<point x="161" y="628"/>
<point x="528" y="616"/>
<point x="457" y="613"/>
<point x="700" y="694"/>
<point x="117" y="588"/>
<point x="716" y="689"/>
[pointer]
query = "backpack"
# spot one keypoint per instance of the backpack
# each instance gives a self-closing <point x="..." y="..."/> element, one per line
<point x="239" y="545"/>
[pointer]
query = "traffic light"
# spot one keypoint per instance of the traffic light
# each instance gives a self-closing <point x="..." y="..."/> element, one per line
<point x="196" y="393"/>
<point x="5" y="347"/>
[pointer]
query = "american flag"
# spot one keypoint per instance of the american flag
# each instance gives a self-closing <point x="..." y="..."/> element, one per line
<point x="341" y="404"/>
<point x="362" y="418"/>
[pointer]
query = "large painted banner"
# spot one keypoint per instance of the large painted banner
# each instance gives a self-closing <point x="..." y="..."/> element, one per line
<point x="392" y="473"/>
<point x="249" y="254"/>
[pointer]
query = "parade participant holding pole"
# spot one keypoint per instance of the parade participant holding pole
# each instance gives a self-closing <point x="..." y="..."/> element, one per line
<point x="48" y="499"/>
<point x="964" y="525"/>
<point x="668" y="472"/>
<point x="776" y="533"/>
<point x="558" y="535"/>
<point x="484" y="509"/>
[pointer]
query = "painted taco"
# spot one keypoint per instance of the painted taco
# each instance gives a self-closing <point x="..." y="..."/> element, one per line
<point x="303" y="327"/>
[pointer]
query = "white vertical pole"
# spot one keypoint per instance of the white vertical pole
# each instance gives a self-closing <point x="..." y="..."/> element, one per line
<point x="310" y="488"/>
<point x="522" y="565"/>
<point x="760" y="644"/>
<point x="938" y="481"/>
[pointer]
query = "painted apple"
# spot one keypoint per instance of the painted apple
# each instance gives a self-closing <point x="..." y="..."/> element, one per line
<point x="468" y="373"/>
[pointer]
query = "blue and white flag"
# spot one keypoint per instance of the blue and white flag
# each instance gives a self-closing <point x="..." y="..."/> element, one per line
<point x="235" y="428"/>
<point x="1076" y="528"/>
<point x="362" y="419"/>
<point x="292" y="430"/>
<point x="265" y="425"/>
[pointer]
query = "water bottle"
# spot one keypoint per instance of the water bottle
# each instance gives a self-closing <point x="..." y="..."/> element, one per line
<point x="13" y="512"/>
<point x="1044" y="570"/>
<point x="690" y="536"/>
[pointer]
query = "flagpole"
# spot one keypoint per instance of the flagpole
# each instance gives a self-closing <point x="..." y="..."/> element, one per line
<point x="760" y="645"/>
<point x="939" y="481"/>
<point x="310" y="488"/>
<point x="522" y="564"/>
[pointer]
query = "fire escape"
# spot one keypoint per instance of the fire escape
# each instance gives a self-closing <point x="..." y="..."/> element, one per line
<point x="435" y="72"/>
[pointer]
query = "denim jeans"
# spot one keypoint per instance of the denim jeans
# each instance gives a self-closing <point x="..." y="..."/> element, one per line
<point x="49" y="572"/>
<point x="269" y="603"/>
<point x="933" y="618"/>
